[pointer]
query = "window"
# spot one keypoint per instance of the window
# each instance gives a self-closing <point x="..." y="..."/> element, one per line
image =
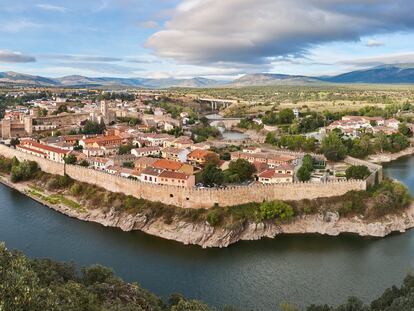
<point x="171" y="195"/>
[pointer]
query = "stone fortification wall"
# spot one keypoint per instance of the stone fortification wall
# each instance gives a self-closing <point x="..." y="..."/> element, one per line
<point x="192" y="198"/>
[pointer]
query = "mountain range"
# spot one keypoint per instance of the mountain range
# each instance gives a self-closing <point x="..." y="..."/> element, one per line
<point x="388" y="74"/>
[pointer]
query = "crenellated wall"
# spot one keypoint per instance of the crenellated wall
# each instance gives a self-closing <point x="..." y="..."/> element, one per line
<point x="193" y="198"/>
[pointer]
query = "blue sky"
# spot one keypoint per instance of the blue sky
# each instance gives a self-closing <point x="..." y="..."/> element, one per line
<point x="212" y="38"/>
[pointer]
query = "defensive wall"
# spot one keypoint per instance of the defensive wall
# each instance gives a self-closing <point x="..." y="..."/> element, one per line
<point x="192" y="198"/>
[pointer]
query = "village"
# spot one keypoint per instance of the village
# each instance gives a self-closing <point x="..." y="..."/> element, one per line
<point x="132" y="138"/>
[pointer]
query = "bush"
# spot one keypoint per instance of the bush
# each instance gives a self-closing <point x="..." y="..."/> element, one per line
<point x="275" y="210"/>
<point x="24" y="171"/>
<point x="213" y="218"/>
<point x="357" y="172"/>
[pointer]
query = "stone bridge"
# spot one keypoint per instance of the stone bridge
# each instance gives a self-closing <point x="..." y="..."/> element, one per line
<point x="227" y="123"/>
<point x="216" y="103"/>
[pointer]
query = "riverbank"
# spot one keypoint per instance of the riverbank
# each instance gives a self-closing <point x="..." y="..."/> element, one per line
<point x="389" y="157"/>
<point x="206" y="236"/>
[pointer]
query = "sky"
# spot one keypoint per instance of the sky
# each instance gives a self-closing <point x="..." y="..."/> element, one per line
<point x="218" y="39"/>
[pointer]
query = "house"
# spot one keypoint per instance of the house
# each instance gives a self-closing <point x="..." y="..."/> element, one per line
<point x="93" y="152"/>
<point x="199" y="156"/>
<point x="45" y="151"/>
<point x="150" y="175"/>
<point x="271" y="176"/>
<point x="121" y="159"/>
<point x="175" y="154"/>
<point x="271" y="159"/>
<point x="202" y="145"/>
<point x="144" y="162"/>
<point x="174" y="166"/>
<point x="176" y="179"/>
<point x="146" y="151"/>
<point x="101" y="141"/>
<point x="252" y="150"/>
<point x="100" y="163"/>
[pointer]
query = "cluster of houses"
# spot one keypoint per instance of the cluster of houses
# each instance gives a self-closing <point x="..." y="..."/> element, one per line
<point x="271" y="168"/>
<point x="354" y="126"/>
<point x="155" y="158"/>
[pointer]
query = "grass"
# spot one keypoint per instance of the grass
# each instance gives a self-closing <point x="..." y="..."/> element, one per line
<point x="55" y="199"/>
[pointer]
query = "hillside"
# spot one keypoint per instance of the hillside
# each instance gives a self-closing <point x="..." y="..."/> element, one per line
<point x="267" y="79"/>
<point x="383" y="74"/>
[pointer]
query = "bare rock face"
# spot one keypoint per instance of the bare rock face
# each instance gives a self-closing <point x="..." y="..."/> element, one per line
<point x="204" y="235"/>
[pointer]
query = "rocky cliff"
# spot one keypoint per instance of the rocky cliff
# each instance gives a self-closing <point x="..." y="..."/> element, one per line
<point x="206" y="236"/>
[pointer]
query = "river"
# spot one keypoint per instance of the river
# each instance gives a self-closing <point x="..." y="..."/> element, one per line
<point x="256" y="275"/>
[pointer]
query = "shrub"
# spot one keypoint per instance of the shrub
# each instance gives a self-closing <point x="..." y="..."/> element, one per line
<point x="24" y="171"/>
<point x="275" y="210"/>
<point x="213" y="218"/>
<point x="357" y="172"/>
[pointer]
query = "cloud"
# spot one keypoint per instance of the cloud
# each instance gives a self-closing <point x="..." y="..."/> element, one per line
<point x="15" y="57"/>
<point x="254" y="31"/>
<point x="149" y="24"/>
<point x="374" y="43"/>
<point x="49" y="7"/>
<point x="84" y="58"/>
<point x="18" y="25"/>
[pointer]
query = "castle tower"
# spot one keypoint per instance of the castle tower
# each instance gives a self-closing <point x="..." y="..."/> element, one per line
<point x="28" y="125"/>
<point x="6" y="128"/>
<point x="104" y="108"/>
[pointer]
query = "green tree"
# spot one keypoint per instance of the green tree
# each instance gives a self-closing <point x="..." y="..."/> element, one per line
<point x="125" y="149"/>
<point x="333" y="147"/>
<point x="212" y="175"/>
<point x="405" y="130"/>
<point x="71" y="159"/>
<point x="303" y="174"/>
<point x="91" y="128"/>
<point x="357" y="172"/>
<point x="286" y="116"/>
<point x="242" y="168"/>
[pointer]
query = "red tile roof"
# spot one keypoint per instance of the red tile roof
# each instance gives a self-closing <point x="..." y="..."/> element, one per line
<point x="174" y="175"/>
<point x="167" y="165"/>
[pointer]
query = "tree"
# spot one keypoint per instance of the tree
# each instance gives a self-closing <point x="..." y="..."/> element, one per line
<point x="361" y="147"/>
<point x="333" y="147"/>
<point x="84" y="163"/>
<point x="14" y="142"/>
<point x="212" y="159"/>
<point x="357" y="172"/>
<point x="405" y="130"/>
<point x="242" y="168"/>
<point x="124" y="149"/>
<point x="381" y="142"/>
<point x="286" y="116"/>
<point x="92" y="127"/>
<point x="24" y="171"/>
<point x="275" y="210"/>
<point x="71" y="159"/>
<point x="212" y="175"/>
<point x="303" y="174"/>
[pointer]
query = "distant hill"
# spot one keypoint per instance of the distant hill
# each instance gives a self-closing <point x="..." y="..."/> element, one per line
<point x="383" y="74"/>
<point x="82" y="81"/>
<point x="11" y="77"/>
<point x="265" y="79"/>
<point x="392" y="74"/>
